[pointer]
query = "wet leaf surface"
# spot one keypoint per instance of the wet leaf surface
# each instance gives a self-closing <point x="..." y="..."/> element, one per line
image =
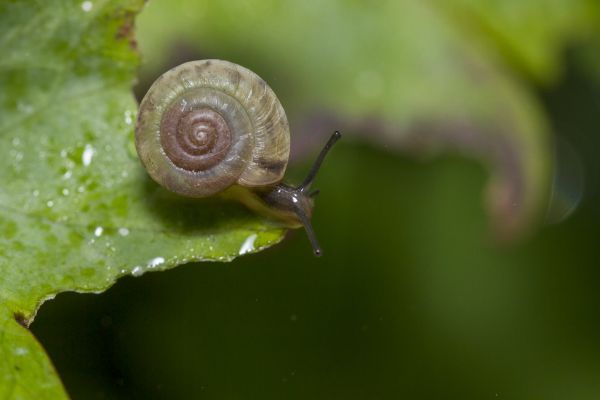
<point x="77" y="210"/>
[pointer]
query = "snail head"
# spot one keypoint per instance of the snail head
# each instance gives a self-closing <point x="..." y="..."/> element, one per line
<point x="298" y="201"/>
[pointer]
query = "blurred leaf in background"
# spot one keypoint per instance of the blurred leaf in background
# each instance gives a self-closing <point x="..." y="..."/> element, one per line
<point x="414" y="76"/>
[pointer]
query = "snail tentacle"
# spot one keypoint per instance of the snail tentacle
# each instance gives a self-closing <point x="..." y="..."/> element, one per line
<point x="310" y="232"/>
<point x="317" y="164"/>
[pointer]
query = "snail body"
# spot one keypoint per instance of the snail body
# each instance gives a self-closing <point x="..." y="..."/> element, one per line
<point x="213" y="127"/>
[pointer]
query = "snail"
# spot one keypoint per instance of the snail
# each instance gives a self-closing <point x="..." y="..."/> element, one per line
<point x="212" y="127"/>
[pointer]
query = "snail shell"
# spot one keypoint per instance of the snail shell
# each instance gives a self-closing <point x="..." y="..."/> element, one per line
<point x="206" y="125"/>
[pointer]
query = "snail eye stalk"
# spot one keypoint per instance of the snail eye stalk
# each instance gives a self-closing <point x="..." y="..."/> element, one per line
<point x="317" y="164"/>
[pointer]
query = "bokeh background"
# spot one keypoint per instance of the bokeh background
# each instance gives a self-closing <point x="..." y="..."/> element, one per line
<point x="458" y="215"/>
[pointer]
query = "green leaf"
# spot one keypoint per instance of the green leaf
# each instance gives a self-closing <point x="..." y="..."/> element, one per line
<point x="417" y="76"/>
<point x="530" y="43"/>
<point x="77" y="210"/>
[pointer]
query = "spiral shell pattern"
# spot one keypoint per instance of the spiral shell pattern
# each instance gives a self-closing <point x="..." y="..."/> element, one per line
<point x="206" y="125"/>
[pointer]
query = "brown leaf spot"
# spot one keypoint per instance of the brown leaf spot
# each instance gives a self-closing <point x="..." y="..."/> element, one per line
<point x="20" y="318"/>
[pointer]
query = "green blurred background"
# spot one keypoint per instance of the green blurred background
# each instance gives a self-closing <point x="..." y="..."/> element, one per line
<point x="458" y="215"/>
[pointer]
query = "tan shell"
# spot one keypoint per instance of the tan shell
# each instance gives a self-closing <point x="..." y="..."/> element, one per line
<point x="227" y="121"/>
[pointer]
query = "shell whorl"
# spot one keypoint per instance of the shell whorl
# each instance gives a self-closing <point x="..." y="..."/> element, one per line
<point x="206" y="125"/>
